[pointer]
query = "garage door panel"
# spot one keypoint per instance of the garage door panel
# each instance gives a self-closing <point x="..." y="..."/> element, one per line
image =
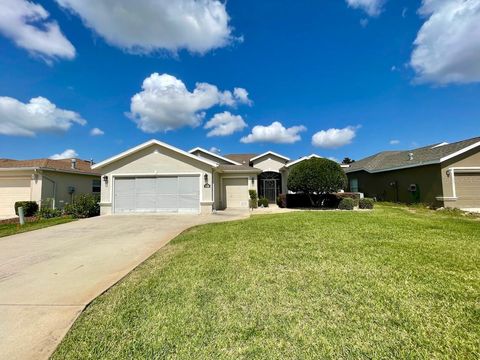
<point x="468" y="185"/>
<point x="236" y="192"/>
<point x="188" y="185"/>
<point x="166" y="202"/>
<point x="167" y="185"/>
<point x="11" y="191"/>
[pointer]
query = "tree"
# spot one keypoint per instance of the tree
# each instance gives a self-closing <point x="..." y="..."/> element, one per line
<point x="347" y="161"/>
<point x="317" y="177"/>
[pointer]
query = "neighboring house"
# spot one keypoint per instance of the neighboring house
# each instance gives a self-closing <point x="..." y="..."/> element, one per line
<point x="157" y="177"/>
<point x="49" y="182"/>
<point x="440" y="174"/>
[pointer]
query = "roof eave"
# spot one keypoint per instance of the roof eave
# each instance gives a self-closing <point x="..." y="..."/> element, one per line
<point x="214" y="155"/>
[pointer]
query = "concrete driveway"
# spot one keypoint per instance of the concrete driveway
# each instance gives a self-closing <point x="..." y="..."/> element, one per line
<point x="48" y="276"/>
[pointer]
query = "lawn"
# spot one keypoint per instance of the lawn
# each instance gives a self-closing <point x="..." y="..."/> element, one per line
<point x="392" y="283"/>
<point x="12" y="229"/>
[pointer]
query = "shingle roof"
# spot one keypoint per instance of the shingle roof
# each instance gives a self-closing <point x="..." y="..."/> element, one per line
<point x="82" y="166"/>
<point x="389" y="160"/>
<point x="241" y="158"/>
<point x="224" y="167"/>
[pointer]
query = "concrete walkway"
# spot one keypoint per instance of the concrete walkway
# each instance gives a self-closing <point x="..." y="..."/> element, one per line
<point x="48" y="276"/>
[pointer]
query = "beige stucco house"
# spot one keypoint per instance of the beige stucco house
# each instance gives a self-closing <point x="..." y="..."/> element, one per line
<point x="49" y="182"/>
<point x="439" y="174"/>
<point x="157" y="177"/>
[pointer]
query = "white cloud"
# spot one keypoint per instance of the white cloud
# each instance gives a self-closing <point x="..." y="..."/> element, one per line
<point x="371" y="7"/>
<point x="394" y="142"/>
<point x="214" y="150"/>
<point x="224" y="124"/>
<point x="97" y="132"/>
<point x="27" y="24"/>
<point x="67" y="154"/>
<point x="274" y="133"/>
<point x="447" y="47"/>
<point x="148" y="25"/>
<point x="242" y="96"/>
<point x="165" y="103"/>
<point x="38" y="115"/>
<point x="334" y="138"/>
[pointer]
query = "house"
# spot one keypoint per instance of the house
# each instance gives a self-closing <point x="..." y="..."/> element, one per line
<point x="440" y="174"/>
<point x="157" y="177"/>
<point x="48" y="182"/>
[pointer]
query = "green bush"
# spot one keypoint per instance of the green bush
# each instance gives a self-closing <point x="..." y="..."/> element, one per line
<point x="346" y="204"/>
<point x="263" y="202"/>
<point x="366" y="203"/>
<point x="83" y="206"/>
<point x="282" y="201"/>
<point x="49" y="213"/>
<point x="253" y="199"/>
<point x="29" y="207"/>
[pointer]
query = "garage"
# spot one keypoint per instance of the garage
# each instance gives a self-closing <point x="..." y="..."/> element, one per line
<point x="468" y="189"/>
<point x="11" y="191"/>
<point x="236" y="192"/>
<point x="159" y="194"/>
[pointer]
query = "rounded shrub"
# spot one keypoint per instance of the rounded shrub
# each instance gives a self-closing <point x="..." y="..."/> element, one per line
<point x="30" y="208"/>
<point x="346" y="204"/>
<point x="366" y="203"/>
<point x="263" y="202"/>
<point x="83" y="206"/>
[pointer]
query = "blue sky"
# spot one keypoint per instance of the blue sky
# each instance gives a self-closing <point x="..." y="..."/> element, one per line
<point x="337" y="78"/>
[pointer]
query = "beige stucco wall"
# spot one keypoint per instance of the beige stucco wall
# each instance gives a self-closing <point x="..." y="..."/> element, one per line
<point x="269" y="163"/>
<point x="252" y="185"/>
<point x="155" y="160"/>
<point x="81" y="183"/>
<point x="469" y="159"/>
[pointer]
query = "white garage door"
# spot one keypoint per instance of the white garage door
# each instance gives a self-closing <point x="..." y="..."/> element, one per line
<point x="12" y="190"/>
<point x="236" y="192"/>
<point x="157" y="194"/>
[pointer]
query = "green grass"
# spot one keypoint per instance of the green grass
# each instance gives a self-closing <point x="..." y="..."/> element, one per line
<point x="391" y="283"/>
<point x="12" y="229"/>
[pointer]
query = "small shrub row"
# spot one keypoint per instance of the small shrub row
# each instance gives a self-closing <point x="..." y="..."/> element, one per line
<point x="83" y="206"/>
<point x="366" y="203"/>
<point x="263" y="202"/>
<point x="327" y="201"/>
<point x="346" y="204"/>
<point x="30" y="208"/>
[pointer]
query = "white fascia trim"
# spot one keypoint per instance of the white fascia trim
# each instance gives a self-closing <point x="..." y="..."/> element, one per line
<point x="270" y="153"/>
<point x="303" y="158"/>
<point x="465" y="169"/>
<point x="147" y="144"/>
<point x="394" y="168"/>
<point x="446" y="198"/>
<point x="459" y="152"/>
<point x="214" y="155"/>
<point x="19" y="169"/>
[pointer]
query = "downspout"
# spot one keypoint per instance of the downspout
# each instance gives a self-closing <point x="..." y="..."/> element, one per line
<point x="54" y="189"/>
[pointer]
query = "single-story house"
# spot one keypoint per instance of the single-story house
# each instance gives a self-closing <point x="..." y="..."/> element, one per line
<point x="49" y="182"/>
<point x="157" y="177"/>
<point x="439" y="174"/>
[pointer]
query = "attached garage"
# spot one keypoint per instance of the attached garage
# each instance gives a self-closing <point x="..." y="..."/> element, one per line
<point x="236" y="192"/>
<point x="468" y="189"/>
<point x="11" y="191"/>
<point x="157" y="194"/>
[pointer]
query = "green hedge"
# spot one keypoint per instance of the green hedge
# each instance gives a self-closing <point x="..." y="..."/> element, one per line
<point x="263" y="202"/>
<point x="83" y="206"/>
<point x="30" y="208"/>
<point x="366" y="203"/>
<point x="346" y="204"/>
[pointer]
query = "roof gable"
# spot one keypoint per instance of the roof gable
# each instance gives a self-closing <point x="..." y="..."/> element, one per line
<point x="270" y="153"/>
<point x="199" y="149"/>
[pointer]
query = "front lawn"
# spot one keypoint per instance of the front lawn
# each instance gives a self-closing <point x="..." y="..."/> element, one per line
<point x="392" y="283"/>
<point x="12" y="229"/>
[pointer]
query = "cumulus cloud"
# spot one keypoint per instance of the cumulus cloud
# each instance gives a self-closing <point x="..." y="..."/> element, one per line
<point x="214" y="150"/>
<point x="224" y="124"/>
<point x="394" y="142"/>
<point x="334" y="138"/>
<point x="242" y="96"/>
<point x="97" y="132"/>
<point x="274" y="133"/>
<point x="371" y="7"/>
<point x="447" y="47"/>
<point x="38" y="115"/>
<point x="148" y="25"/>
<point x="67" y="154"/>
<point x="27" y="24"/>
<point x="166" y="104"/>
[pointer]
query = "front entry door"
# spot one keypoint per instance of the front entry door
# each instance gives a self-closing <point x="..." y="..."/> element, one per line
<point x="270" y="190"/>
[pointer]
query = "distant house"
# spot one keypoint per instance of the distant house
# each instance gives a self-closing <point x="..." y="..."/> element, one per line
<point x="439" y="174"/>
<point x="52" y="183"/>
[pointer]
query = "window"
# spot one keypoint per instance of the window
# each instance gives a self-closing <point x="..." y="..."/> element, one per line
<point x="96" y="185"/>
<point x="354" y="185"/>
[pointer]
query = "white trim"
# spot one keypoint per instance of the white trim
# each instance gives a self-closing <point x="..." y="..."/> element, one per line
<point x="269" y="153"/>
<point x="461" y="169"/>
<point x="438" y="145"/>
<point x="466" y="169"/>
<point x="302" y="159"/>
<point x="214" y="155"/>
<point x="147" y="144"/>
<point x="459" y="152"/>
<point x="19" y="168"/>
<point x="454" y="189"/>
<point x="446" y="198"/>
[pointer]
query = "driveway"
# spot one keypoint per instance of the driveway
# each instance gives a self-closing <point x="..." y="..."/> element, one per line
<point x="48" y="276"/>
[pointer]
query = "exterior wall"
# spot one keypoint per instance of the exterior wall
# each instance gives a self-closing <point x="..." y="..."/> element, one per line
<point x="251" y="185"/>
<point x="155" y="160"/>
<point x="81" y="183"/>
<point x="284" y="174"/>
<point x="427" y="178"/>
<point x="210" y="157"/>
<point x="469" y="159"/>
<point x="217" y="191"/>
<point x="269" y="163"/>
